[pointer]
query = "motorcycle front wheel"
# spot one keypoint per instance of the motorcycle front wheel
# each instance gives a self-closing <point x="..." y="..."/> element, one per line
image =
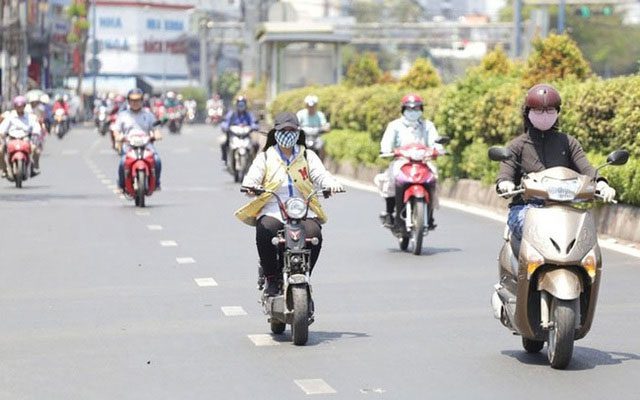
<point x="532" y="346"/>
<point x="300" y="324"/>
<point x="277" y="327"/>
<point x="560" y="344"/>
<point x="141" y="188"/>
<point x="18" y="172"/>
<point x="418" y="215"/>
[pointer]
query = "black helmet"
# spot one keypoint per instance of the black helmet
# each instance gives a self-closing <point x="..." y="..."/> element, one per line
<point x="135" y="94"/>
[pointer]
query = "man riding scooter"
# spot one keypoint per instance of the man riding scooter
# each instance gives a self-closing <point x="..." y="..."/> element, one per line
<point x="314" y="123"/>
<point x="19" y="119"/>
<point x="141" y="118"/>
<point x="239" y="116"/>
<point x="410" y="128"/>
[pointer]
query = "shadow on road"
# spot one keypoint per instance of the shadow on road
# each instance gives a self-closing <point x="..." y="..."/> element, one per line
<point x="583" y="358"/>
<point x="316" y="337"/>
<point x="427" y="251"/>
<point x="27" y="197"/>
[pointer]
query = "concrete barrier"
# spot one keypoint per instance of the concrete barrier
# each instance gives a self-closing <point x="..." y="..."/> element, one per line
<point x="619" y="221"/>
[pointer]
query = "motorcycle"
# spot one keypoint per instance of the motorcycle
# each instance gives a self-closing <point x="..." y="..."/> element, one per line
<point x="191" y="114"/>
<point x="214" y="115"/>
<point x="417" y="181"/>
<point x="102" y="120"/>
<point x="241" y="151"/>
<point x="549" y="281"/>
<point x="139" y="167"/>
<point x="174" y="118"/>
<point x="313" y="141"/>
<point x="294" y="303"/>
<point x="19" y="155"/>
<point x="60" y="126"/>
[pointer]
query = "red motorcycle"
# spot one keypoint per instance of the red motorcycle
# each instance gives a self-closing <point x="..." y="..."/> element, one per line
<point x="415" y="178"/>
<point x="19" y="155"/>
<point x="139" y="167"/>
<point x="174" y="119"/>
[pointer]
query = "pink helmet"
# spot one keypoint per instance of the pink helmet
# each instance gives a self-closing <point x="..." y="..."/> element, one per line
<point x="19" y="101"/>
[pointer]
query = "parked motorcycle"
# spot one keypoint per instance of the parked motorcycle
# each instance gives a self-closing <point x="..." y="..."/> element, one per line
<point x="241" y="151"/>
<point x="313" y="140"/>
<point x="60" y="123"/>
<point x="19" y="155"/>
<point x="294" y="303"/>
<point x="174" y="118"/>
<point x="418" y="182"/>
<point x="139" y="167"/>
<point x="549" y="280"/>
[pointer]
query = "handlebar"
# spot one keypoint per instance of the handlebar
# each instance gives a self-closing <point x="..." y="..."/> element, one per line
<point x="326" y="192"/>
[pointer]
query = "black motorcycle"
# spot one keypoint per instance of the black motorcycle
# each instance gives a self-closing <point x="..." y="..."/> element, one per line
<point x="294" y="304"/>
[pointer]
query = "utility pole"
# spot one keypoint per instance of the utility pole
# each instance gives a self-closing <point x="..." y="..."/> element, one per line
<point x="94" y="47"/>
<point x="517" y="22"/>
<point x="561" y="12"/>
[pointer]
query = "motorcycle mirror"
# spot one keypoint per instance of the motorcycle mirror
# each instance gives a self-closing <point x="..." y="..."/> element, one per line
<point x="443" y="140"/>
<point x="497" y="153"/>
<point x="618" y="157"/>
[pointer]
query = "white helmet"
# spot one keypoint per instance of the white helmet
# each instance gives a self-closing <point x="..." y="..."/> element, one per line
<point x="311" y="100"/>
<point x="33" y="97"/>
<point x="45" y="99"/>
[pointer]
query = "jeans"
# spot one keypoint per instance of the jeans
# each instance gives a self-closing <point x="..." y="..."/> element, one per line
<point x="515" y="221"/>
<point x="156" y="159"/>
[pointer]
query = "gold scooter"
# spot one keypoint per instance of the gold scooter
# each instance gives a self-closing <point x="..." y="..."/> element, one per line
<point x="549" y="280"/>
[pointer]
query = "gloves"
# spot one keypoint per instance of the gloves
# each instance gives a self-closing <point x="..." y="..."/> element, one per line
<point x="506" y="187"/>
<point x="607" y="192"/>
<point x="336" y="187"/>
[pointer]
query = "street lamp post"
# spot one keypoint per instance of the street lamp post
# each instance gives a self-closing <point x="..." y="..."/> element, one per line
<point x="94" y="47"/>
<point x="205" y="25"/>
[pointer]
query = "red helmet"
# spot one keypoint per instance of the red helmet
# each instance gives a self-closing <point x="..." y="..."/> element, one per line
<point x="411" y="100"/>
<point x="543" y="96"/>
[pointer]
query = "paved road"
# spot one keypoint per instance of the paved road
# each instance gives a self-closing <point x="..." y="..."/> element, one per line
<point x="101" y="301"/>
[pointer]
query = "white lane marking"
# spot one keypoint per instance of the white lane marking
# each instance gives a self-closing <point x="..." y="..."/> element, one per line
<point x="143" y="213"/>
<point x="610" y="243"/>
<point x="122" y="197"/>
<point x="263" y="340"/>
<point x="376" y="390"/>
<point x="116" y="191"/>
<point x="233" y="311"/>
<point x="154" y="227"/>
<point x="185" y="260"/>
<point x="206" y="282"/>
<point x="70" y="152"/>
<point x="101" y="176"/>
<point x="168" y="243"/>
<point x="106" y="181"/>
<point x="314" y="386"/>
<point x="112" y="186"/>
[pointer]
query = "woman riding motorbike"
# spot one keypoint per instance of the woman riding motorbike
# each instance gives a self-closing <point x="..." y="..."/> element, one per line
<point x="287" y="168"/>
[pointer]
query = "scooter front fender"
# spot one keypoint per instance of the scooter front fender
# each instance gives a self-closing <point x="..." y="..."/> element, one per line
<point x="561" y="283"/>
<point x="417" y="191"/>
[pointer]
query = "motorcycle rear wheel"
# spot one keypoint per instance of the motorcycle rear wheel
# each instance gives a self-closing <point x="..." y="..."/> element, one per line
<point x="560" y="343"/>
<point x="532" y="346"/>
<point x="300" y="324"/>
<point x="418" y="211"/>
<point x="141" y="188"/>
<point x="277" y="327"/>
<point x="404" y="243"/>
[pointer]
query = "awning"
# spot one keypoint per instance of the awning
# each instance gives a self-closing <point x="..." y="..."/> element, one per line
<point x="115" y="84"/>
<point x="159" y="85"/>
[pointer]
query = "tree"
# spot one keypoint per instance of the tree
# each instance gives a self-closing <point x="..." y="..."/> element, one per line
<point x="363" y="71"/>
<point x="554" y="58"/>
<point x="422" y="75"/>
<point x="227" y="85"/>
<point x="496" y="62"/>
<point x="77" y="39"/>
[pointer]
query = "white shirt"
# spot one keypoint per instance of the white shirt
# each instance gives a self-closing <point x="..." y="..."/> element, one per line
<point x="256" y="174"/>
<point x="128" y="119"/>
<point x="401" y="132"/>
<point x="28" y="121"/>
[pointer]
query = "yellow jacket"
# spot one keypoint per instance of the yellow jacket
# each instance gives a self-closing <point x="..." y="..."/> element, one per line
<point x="270" y="171"/>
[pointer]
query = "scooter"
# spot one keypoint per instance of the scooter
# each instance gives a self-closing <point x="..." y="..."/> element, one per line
<point x="19" y="150"/>
<point x="60" y="123"/>
<point x="139" y="168"/>
<point x="214" y="115"/>
<point x="294" y="303"/>
<point x="548" y="281"/>
<point x="313" y="140"/>
<point x="415" y="178"/>
<point x="102" y="120"/>
<point x="241" y="151"/>
<point x="174" y="118"/>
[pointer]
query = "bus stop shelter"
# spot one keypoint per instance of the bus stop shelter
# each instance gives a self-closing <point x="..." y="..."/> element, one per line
<point x="294" y="54"/>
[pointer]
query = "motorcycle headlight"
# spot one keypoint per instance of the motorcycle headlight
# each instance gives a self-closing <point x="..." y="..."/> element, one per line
<point x="561" y="189"/>
<point x="295" y="208"/>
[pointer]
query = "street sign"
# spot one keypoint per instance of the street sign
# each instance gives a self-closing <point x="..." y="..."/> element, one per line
<point x="94" y="65"/>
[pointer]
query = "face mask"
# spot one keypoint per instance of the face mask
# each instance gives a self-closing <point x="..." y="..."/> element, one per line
<point x="543" y="121"/>
<point x="287" y="139"/>
<point x="412" y="115"/>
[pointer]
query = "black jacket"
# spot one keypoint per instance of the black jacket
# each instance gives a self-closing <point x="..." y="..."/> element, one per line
<point x="536" y="151"/>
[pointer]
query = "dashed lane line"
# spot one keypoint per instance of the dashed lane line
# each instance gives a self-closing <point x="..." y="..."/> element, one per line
<point x="314" y="386"/>
<point x="263" y="340"/>
<point x="185" y="260"/>
<point x="206" y="282"/>
<point x="168" y="243"/>
<point x="106" y="181"/>
<point x="154" y="227"/>
<point x="142" y="213"/>
<point x="233" y="311"/>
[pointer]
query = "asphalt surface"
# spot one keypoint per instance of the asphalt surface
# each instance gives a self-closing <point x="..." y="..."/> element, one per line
<point x="99" y="299"/>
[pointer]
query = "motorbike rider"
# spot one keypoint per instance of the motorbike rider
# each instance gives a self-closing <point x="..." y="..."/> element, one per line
<point x="311" y="117"/>
<point x="292" y="171"/>
<point x="239" y="116"/>
<point x="410" y="128"/>
<point x="48" y="110"/>
<point x="542" y="146"/>
<point x="61" y="104"/>
<point x="19" y="119"/>
<point x="136" y="117"/>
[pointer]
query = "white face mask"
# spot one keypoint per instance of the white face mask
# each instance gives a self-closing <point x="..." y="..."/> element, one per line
<point x="412" y="115"/>
<point x="544" y="120"/>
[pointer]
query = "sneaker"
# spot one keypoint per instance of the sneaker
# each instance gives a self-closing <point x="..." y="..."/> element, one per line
<point x="388" y="221"/>
<point x="4" y="174"/>
<point x="35" y="171"/>
<point x="273" y="287"/>
<point x="431" y="225"/>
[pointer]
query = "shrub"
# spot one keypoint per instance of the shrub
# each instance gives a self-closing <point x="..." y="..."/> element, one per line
<point x="363" y="70"/>
<point x="196" y="93"/>
<point x="554" y="58"/>
<point x="422" y="75"/>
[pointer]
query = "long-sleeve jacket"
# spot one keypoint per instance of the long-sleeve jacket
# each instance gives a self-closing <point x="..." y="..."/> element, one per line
<point x="238" y="118"/>
<point x="535" y="151"/>
<point x="401" y="132"/>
